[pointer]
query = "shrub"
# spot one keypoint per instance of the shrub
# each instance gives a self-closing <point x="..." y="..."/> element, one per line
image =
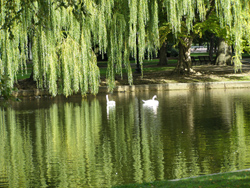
<point x="5" y="89"/>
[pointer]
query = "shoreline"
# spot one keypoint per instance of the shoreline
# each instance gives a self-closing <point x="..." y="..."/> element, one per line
<point x="149" y="87"/>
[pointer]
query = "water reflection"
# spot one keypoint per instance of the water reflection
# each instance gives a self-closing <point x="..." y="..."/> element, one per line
<point x="82" y="143"/>
<point x="152" y="108"/>
<point x="110" y="109"/>
<point x="151" y="104"/>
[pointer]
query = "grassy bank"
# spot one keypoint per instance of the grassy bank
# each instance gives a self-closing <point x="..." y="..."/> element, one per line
<point x="239" y="179"/>
<point x="149" y="66"/>
<point x="154" y="74"/>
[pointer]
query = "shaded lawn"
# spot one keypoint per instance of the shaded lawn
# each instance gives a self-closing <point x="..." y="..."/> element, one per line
<point x="154" y="74"/>
<point x="239" y="179"/>
<point x="25" y="74"/>
<point x="148" y="66"/>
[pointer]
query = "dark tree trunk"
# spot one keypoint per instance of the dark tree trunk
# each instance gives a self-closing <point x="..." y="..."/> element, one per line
<point x="30" y="58"/>
<point x="184" y="63"/>
<point x="30" y="48"/>
<point x="163" y="55"/>
<point x="211" y="49"/>
<point x="224" y="53"/>
<point x="138" y="66"/>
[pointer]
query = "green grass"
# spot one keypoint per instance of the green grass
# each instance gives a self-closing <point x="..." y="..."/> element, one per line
<point x="201" y="54"/>
<point x="24" y="75"/>
<point x="155" y="69"/>
<point x="198" y="54"/>
<point x="103" y="67"/>
<point x="239" y="179"/>
<point x="237" y="78"/>
<point x="148" y="66"/>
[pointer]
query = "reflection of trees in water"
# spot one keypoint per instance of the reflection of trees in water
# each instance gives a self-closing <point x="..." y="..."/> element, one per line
<point x="16" y="162"/>
<point x="75" y="144"/>
<point x="65" y="149"/>
<point x="202" y="143"/>
<point x="152" y="146"/>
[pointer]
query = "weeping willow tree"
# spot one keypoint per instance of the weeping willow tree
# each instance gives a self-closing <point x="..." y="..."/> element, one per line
<point x="183" y="17"/>
<point x="66" y="35"/>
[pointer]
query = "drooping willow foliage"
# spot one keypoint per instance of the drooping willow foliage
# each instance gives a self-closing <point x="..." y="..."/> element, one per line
<point x="233" y="15"/>
<point x="66" y="35"/>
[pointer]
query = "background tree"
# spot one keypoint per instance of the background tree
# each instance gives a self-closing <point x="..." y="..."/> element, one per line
<point x="224" y="53"/>
<point x="187" y="19"/>
<point x="163" y="60"/>
<point x="208" y="39"/>
<point x="210" y="29"/>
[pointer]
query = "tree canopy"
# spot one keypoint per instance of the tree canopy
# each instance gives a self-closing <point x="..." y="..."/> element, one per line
<point x="225" y="18"/>
<point x="66" y="35"/>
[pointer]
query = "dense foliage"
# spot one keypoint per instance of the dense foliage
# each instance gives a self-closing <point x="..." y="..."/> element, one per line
<point x="5" y="89"/>
<point x="188" y="19"/>
<point x="62" y="37"/>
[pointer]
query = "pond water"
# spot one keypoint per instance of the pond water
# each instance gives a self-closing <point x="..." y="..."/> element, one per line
<point x="79" y="142"/>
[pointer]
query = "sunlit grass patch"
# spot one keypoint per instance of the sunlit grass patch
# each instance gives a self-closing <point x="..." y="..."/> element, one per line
<point x="148" y="66"/>
<point x="199" y="54"/>
<point x="24" y="74"/>
<point x="232" y="179"/>
<point x="238" y="78"/>
<point x="155" y="69"/>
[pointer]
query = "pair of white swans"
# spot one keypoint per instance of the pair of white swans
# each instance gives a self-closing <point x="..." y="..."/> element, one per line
<point x="151" y="102"/>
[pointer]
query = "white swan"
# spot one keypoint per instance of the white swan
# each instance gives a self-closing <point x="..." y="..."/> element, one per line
<point x="151" y="102"/>
<point x="110" y="103"/>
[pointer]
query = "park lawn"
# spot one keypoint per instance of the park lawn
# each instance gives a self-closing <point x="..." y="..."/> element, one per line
<point x="24" y="73"/>
<point x="148" y="66"/>
<point x="236" y="179"/>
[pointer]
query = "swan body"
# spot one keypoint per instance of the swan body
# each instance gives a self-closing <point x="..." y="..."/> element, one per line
<point x="151" y="102"/>
<point x="110" y="103"/>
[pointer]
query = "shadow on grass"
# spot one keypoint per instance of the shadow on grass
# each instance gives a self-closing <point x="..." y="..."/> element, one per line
<point x="238" y="78"/>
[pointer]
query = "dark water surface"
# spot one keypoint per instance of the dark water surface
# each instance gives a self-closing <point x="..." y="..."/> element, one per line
<point x="79" y="142"/>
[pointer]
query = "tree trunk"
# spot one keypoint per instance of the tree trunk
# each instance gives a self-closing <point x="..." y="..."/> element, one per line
<point x="184" y="63"/>
<point x="224" y="53"/>
<point x="211" y="49"/>
<point x="163" y="55"/>
<point x="30" y="58"/>
<point x="138" y="66"/>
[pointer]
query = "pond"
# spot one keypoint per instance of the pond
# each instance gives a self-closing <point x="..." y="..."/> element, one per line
<point x="80" y="142"/>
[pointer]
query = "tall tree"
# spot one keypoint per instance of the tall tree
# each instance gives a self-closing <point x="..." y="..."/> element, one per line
<point x="224" y="53"/>
<point x="186" y="16"/>
<point x="64" y="33"/>
<point x="163" y="60"/>
<point x="211" y="46"/>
